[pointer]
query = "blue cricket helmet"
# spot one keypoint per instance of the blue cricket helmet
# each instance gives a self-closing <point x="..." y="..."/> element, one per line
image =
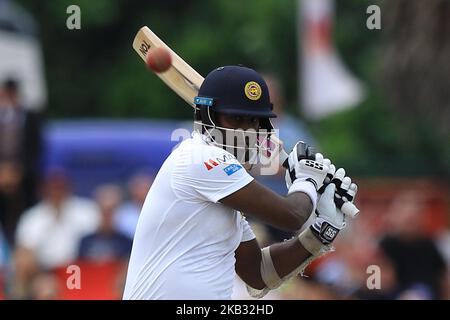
<point x="235" y="90"/>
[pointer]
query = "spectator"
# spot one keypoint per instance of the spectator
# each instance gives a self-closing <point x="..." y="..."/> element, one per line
<point x="45" y="286"/>
<point x="443" y="243"/>
<point x="419" y="266"/>
<point x="3" y="263"/>
<point x="128" y="214"/>
<point x="49" y="233"/>
<point x="20" y="145"/>
<point x="106" y="244"/>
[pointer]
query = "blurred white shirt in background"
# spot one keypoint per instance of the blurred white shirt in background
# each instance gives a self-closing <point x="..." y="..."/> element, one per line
<point x="54" y="237"/>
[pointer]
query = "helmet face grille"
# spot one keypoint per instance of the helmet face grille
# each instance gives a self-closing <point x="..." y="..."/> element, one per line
<point x="248" y="146"/>
<point x="240" y="91"/>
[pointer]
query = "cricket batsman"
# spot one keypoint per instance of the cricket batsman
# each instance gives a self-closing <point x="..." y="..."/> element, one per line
<point x="192" y="237"/>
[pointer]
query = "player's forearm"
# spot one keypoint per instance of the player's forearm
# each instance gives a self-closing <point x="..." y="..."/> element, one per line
<point x="287" y="256"/>
<point x="287" y="213"/>
<point x="274" y="264"/>
<point x="300" y="205"/>
<point x="259" y="268"/>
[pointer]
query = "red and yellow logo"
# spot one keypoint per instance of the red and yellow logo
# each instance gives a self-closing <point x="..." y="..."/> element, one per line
<point x="253" y="90"/>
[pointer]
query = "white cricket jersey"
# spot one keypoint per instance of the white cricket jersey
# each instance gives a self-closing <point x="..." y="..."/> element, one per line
<point x="185" y="239"/>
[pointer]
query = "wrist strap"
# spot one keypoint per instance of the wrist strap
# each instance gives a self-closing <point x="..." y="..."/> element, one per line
<point x="312" y="243"/>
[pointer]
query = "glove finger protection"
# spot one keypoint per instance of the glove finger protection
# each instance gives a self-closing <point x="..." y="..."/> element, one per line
<point x="330" y="174"/>
<point x="330" y="220"/>
<point x="345" y="194"/>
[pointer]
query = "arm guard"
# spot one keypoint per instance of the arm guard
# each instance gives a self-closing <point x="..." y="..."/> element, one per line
<point x="270" y="276"/>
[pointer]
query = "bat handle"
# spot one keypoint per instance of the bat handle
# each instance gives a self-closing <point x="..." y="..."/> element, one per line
<point x="303" y="152"/>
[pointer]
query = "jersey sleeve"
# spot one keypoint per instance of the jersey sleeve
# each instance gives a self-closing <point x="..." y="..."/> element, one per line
<point x="247" y="232"/>
<point x="209" y="173"/>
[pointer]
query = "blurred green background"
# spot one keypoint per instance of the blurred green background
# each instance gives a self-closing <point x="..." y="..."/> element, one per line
<point x="401" y="128"/>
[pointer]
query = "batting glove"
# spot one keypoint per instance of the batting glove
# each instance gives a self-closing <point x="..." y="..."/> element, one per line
<point x="329" y="219"/>
<point x="345" y="191"/>
<point x="305" y="165"/>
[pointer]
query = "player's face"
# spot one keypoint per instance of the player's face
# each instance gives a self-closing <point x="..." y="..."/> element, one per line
<point x="242" y="137"/>
<point x="238" y="122"/>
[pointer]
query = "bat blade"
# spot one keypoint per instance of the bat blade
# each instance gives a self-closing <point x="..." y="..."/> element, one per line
<point x="180" y="77"/>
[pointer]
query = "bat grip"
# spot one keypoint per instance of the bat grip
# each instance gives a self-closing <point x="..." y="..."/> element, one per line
<point x="303" y="152"/>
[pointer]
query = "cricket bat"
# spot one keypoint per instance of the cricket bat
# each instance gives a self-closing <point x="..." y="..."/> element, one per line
<point x="180" y="77"/>
<point x="185" y="81"/>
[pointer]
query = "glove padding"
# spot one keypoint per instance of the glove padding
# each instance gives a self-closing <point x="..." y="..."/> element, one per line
<point x="345" y="191"/>
<point x="330" y="175"/>
<point x="304" y="165"/>
<point x="330" y="220"/>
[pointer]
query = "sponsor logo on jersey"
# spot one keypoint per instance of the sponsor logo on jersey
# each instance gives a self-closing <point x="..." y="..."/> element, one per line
<point x="223" y="159"/>
<point x="232" y="168"/>
<point x="226" y="157"/>
<point x="210" y="164"/>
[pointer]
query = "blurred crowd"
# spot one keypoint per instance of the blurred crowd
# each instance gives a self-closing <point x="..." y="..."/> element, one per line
<point x="63" y="229"/>
<point x="45" y="227"/>
<point x="20" y="150"/>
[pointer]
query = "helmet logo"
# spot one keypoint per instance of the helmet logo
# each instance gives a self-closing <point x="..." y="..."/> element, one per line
<point x="253" y="90"/>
